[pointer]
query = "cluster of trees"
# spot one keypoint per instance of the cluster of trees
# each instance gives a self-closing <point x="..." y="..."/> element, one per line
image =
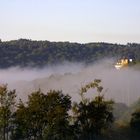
<point x="25" y="52"/>
<point x="53" y="116"/>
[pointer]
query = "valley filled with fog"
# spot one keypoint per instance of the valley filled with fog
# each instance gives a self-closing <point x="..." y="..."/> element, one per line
<point x="120" y="85"/>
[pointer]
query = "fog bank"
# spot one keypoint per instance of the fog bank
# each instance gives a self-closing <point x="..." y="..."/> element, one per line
<point x="120" y="85"/>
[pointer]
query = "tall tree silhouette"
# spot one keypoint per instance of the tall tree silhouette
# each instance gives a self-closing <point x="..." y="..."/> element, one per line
<point x="92" y="116"/>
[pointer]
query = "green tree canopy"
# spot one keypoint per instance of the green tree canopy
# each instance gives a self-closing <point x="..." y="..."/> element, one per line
<point x="7" y="107"/>
<point x="92" y="116"/>
<point x="43" y="116"/>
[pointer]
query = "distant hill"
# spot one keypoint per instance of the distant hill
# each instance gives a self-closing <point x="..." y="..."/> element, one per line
<point x="25" y="52"/>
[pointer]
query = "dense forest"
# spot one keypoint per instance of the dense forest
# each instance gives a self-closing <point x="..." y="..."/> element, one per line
<point x="53" y="116"/>
<point x="25" y="52"/>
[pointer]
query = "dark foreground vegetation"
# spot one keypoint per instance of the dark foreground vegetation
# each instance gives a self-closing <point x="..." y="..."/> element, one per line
<point x="53" y="116"/>
<point x="25" y="52"/>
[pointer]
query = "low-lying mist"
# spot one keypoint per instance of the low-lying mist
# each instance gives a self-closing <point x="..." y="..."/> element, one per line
<point x="120" y="85"/>
<point x="15" y="74"/>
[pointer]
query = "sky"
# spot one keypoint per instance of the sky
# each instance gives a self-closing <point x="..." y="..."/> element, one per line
<point x="83" y="21"/>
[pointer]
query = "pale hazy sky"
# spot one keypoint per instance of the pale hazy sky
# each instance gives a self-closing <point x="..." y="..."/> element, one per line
<point x="116" y="21"/>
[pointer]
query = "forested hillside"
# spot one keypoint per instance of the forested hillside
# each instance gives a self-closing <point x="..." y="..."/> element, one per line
<point x="25" y="52"/>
